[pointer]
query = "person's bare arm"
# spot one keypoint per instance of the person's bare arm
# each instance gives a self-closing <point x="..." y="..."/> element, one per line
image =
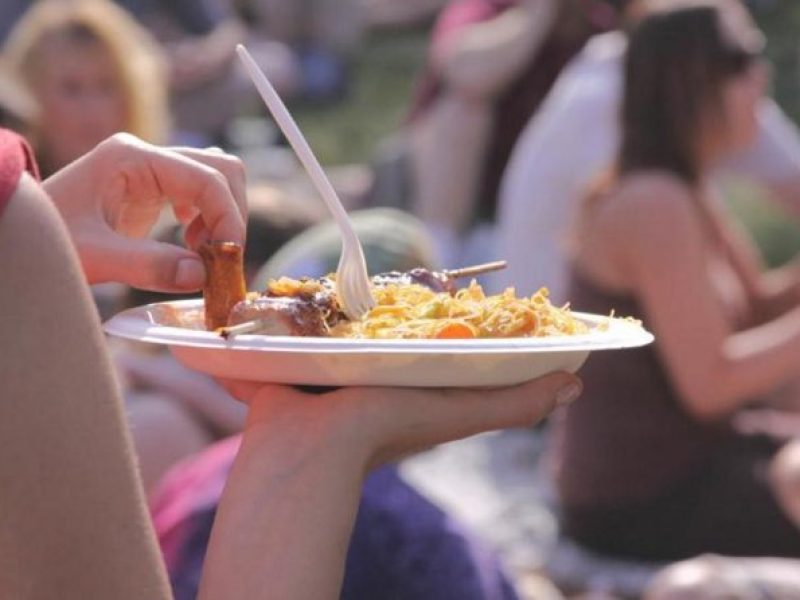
<point x="293" y="491"/>
<point x="482" y="59"/>
<point x="715" y="369"/>
<point x="780" y="288"/>
<point x="73" y="520"/>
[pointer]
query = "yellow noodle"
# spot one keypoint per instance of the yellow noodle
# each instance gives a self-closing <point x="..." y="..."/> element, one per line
<point x="414" y="311"/>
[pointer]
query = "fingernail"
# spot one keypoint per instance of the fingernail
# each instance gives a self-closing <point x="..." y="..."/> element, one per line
<point x="569" y="393"/>
<point x="190" y="273"/>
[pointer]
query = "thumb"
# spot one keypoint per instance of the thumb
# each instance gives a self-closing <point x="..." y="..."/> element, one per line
<point x="142" y="263"/>
<point x="526" y="404"/>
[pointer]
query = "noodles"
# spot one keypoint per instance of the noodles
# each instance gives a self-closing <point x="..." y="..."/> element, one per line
<point x="417" y="312"/>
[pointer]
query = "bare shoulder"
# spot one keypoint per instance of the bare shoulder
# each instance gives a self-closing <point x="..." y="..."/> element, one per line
<point x="653" y="191"/>
<point x="652" y="203"/>
<point x="647" y="221"/>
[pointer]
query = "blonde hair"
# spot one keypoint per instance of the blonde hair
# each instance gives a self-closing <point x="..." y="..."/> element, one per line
<point x="137" y="57"/>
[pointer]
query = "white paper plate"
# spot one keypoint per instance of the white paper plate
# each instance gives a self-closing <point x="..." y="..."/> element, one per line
<point x="347" y="362"/>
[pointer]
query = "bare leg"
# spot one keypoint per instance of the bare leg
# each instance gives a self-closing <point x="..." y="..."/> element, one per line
<point x="720" y="578"/>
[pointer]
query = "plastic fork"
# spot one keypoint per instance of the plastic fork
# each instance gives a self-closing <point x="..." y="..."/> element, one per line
<point x="352" y="280"/>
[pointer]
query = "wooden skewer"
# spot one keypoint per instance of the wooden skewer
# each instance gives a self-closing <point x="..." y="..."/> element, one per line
<point x="240" y="329"/>
<point x="476" y="269"/>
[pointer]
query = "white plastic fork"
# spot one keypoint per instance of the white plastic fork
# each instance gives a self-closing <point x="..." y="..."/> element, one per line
<point x="352" y="280"/>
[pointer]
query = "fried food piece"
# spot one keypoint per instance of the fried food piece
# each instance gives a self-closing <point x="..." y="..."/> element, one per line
<point x="225" y="285"/>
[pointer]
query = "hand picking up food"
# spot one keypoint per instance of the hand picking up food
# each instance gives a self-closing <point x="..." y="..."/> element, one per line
<point x="418" y="304"/>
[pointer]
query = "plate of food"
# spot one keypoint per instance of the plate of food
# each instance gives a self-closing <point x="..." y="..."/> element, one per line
<point x="424" y="331"/>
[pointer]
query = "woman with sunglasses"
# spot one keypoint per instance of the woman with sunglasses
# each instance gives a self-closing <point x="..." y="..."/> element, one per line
<point x="676" y="453"/>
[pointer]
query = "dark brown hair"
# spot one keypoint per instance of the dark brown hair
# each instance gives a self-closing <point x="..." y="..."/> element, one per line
<point x="679" y="57"/>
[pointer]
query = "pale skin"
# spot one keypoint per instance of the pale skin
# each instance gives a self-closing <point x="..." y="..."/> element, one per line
<point x="73" y="521"/>
<point x="329" y="443"/>
<point x="482" y="59"/>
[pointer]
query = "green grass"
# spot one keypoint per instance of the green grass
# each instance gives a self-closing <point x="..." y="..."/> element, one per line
<point x="780" y="20"/>
<point x="776" y="233"/>
<point x="383" y="77"/>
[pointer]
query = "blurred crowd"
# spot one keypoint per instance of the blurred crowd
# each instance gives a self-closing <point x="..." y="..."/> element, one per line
<point x="585" y="142"/>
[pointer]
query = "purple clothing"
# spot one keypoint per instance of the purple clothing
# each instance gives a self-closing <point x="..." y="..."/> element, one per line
<point x="402" y="545"/>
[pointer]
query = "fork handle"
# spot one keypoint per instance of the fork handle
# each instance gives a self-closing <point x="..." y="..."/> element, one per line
<point x="292" y="132"/>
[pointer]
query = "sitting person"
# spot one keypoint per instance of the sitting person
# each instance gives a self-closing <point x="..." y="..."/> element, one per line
<point x="491" y="64"/>
<point x="73" y="522"/>
<point x="676" y="454"/>
<point x="549" y="171"/>
<point x="93" y="71"/>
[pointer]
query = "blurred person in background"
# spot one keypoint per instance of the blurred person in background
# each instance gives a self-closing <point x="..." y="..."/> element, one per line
<point x="391" y="14"/>
<point x="676" y="452"/>
<point x="93" y="72"/>
<point x="198" y="41"/>
<point x="491" y="63"/>
<point x="18" y="108"/>
<point x="321" y="36"/>
<point x="573" y="139"/>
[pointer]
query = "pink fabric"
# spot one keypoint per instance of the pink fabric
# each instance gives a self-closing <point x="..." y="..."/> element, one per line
<point x="189" y="486"/>
<point x="15" y="158"/>
<point x="457" y="15"/>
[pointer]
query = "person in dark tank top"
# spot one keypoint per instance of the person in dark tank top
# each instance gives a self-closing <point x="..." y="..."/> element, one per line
<point x="674" y="452"/>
